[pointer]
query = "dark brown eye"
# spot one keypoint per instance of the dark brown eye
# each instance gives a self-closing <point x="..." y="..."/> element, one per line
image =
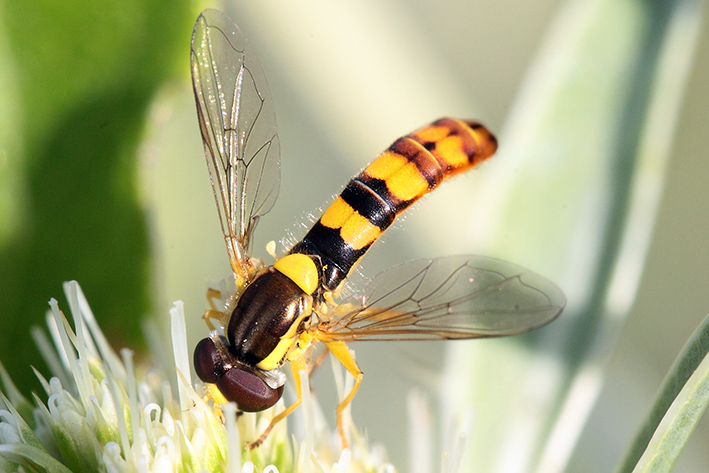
<point x="208" y="361"/>
<point x="248" y="390"/>
<point x="243" y="386"/>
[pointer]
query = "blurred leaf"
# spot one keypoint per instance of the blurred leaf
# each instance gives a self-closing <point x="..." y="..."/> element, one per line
<point x="10" y="142"/>
<point x="574" y="196"/>
<point x="84" y="74"/>
<point x="679" y="405"/>
<point x="678" y="424"/>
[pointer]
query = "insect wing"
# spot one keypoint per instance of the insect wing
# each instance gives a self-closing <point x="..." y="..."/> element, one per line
<point x="238" y="125"/>
<point x="451" y="298"/>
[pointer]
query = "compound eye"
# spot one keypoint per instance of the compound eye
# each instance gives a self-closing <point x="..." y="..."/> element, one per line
<point x="248" y="390"/>
<point x="208" y="361"/>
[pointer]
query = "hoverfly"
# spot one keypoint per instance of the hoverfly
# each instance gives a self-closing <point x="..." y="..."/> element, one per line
<point x="280" y="313"/>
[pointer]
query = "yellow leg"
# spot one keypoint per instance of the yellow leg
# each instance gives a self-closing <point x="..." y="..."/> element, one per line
<point x="213" y="312"/>
<point x="211" y="295"/>
<point x="211" y="392"/>
<point x="342" y="353"/>
<point x="296" y="365"/>
<point x="313" y="365"/>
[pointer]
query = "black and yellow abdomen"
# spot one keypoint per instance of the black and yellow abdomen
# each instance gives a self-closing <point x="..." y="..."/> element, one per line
<point x="412" y="167"/>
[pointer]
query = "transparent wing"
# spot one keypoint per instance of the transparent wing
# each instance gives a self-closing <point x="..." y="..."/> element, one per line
<point x="450" y="298"/>
<point x="238" y="125"/>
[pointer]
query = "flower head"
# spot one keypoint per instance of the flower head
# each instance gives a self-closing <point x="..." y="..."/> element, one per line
<point x="105" y="413"/>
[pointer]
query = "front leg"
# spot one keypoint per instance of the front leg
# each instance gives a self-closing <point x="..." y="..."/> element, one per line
<point x="214" y="313"/>
<point x="296" y="366"/>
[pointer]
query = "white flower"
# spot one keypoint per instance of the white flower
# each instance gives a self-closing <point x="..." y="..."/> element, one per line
<point x="103" y="413"/>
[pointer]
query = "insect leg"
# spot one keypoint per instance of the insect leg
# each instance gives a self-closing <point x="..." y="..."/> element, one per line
<point x="342" y="353"/>
<point x="314" y="364"/>
<point x="211" y="295"/>
<point x="212" y="392"/>
<point x="213" y="312"/>
<point x="296" y="365"/>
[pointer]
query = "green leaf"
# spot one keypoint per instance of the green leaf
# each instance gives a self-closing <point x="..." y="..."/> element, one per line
<point x="28" y="451"/>
<point x="16" y="399"/>
<point x="679" y="405"/>
<point x="32" y="458"/>
<point x="24" y="430"/>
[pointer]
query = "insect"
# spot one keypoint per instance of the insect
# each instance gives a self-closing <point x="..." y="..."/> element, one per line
<point x="281" y="313"/>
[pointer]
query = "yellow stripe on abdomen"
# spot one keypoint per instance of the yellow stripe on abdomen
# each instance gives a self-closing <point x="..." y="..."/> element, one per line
<point x="403" y="179"/>
<point x="412" y="167"/>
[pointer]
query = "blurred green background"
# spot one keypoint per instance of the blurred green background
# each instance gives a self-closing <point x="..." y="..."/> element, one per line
<point x="77" y="81"/>
<point x="102" y="177"/>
